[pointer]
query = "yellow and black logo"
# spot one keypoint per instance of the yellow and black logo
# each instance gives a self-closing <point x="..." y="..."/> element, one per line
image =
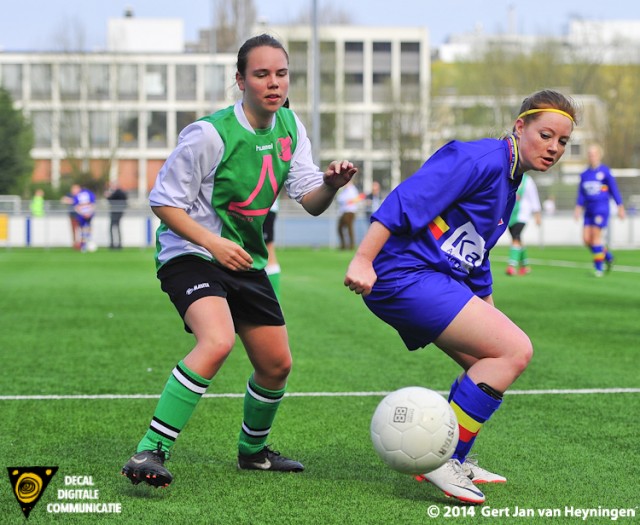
<point x="29" y="483"/>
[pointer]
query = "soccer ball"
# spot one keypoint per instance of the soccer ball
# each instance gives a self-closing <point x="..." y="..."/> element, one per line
<point x="414" y="430"/>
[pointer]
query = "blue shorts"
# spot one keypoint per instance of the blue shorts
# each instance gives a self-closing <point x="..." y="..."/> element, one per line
<point x="599" y="219"/>
<point x="419" y="306"/>
<point x="83" y="221"/>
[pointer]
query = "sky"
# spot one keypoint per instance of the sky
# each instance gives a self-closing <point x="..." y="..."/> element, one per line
<point x="35" y="25"/>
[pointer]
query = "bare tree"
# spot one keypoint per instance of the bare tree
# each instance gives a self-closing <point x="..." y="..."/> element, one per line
<point x="69" y="36"/>
<point x="232" y="23"/>
<point x="327" y="14"/>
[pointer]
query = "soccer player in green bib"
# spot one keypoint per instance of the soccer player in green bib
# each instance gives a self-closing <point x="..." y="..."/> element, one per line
<point x="212" y="196"/>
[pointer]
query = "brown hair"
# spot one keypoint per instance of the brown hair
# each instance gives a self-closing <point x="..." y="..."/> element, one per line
<point x="252" y="43"/>
<point x="547" y="98"/>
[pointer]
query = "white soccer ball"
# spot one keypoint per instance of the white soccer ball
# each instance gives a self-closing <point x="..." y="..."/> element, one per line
<point x="92" y="246"/>
<point x="414" y="430"/>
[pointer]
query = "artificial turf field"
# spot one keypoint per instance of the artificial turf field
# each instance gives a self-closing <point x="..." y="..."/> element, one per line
<point x="88" y="341"/>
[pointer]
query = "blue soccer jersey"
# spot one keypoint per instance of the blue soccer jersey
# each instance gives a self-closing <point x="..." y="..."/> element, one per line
<point x="597" y="186"/>
<point x="450" y="213"/>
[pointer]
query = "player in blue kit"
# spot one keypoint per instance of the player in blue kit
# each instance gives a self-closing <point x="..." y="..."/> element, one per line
<point x="423" y="267"/>
<point x="84" y="206"/>
<point x="597" y="187"/>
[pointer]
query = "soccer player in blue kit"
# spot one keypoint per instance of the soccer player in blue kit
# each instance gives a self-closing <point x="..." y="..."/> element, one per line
<point x="597" y="187"/>
<point x="423" y="267"/>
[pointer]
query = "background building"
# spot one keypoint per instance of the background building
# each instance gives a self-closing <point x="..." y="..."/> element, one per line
<point x="116" y="115"/>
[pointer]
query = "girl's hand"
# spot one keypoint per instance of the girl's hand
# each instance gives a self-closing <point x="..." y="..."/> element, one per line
<point x="339" y="173"/>
<point x="360" y="276"/>
<point x="229" y="254"/>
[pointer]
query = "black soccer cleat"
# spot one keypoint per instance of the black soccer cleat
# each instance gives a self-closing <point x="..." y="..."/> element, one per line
<point x="268" y="459"/>
<point x="608" y="264"/>
<point x="148" y="466"/>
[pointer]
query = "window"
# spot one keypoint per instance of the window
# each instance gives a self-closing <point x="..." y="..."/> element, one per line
<point x="410" y="88"/>
<point x="99" y="127"/>
<point x="70" y="129"/>
<point x="12" y="80"/>
<point x="354" y="130"/>
<point x="328" y="86"/>
<point x="127" y="82"/>
<point x="382" y="57"/>
<point x="381" y="172"/>
<point x="214" y="86"/>
<point x="69" y="81"/>
<point x="408" y="167"/>
<point x="354" y="57"/>
<point x="186" y="82"/>
<point x="327" y="130"/>
<point x="157" y="129"/>
<point x="382" y="90"/>
<point x="183" y="119"/>
<point x="410" y="57"/>
<point x="410" y="130"/>
<point x="382" y="131"/>
<point x="41" y="81"/>
<point x="298" y="63"/>
<point x="128" y="129"/>
<point x="354" y="87"/>
<point x="155" y="82"/>
<point x="42" y="124"/>
<point x="98" y="82"/>
<point x="326" y="66"/>
<point x="575" y="149"/>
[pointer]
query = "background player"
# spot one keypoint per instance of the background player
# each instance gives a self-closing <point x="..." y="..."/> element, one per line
<point x="527" y="206"/>
<point x="597" y="187"/>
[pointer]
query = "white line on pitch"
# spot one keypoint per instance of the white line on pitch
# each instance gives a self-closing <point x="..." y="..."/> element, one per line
<point x="576" y="391"/>
<point x="571" y="264"/>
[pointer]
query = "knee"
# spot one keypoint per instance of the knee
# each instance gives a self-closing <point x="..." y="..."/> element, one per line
<point x="275" y="371"/>
<point x="216" y="347"/>
<point x="522" y="356"/>
<point x="281" y="369"/>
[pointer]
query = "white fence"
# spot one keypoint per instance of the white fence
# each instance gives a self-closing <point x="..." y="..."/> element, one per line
<point x="293" y="228"/>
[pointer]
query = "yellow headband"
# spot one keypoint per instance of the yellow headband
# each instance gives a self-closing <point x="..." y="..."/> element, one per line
<point x="550" y="110"/>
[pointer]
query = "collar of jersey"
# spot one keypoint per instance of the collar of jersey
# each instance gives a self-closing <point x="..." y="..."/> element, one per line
<point x="513" y="155"/>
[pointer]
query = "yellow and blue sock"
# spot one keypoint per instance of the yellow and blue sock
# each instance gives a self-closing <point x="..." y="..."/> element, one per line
<point x="598" y="256"/>
<point x="473" y="406"/>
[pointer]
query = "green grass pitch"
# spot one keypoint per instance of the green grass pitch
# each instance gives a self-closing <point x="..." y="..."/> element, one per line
<point x="88" y="341"/>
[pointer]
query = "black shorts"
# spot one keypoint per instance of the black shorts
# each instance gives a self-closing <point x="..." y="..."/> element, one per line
<point x="516" y="230"/>
<point x="268" y="228"/>
<point x="250" y="295"/>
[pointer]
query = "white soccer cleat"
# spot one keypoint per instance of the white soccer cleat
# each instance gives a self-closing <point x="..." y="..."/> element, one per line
<point x="452" y="479"/>
<point x="479" y="475"/>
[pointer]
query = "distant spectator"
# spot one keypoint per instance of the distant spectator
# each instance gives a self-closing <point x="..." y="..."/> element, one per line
<point x="37" y="203"/>
<point x="373" y="200"/>
<point x="348" y="199"/>
<point x="117" y="202"/>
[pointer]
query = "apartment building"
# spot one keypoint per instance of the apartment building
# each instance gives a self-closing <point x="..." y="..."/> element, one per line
<point x="118" y="113"/>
